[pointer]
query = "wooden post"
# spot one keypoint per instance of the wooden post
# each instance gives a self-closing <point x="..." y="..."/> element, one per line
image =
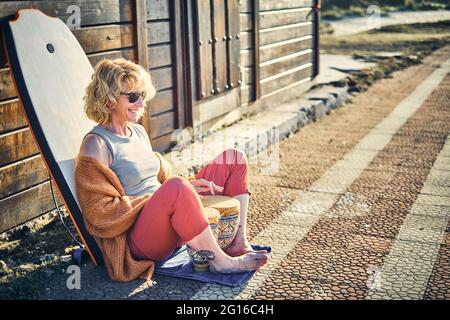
<point x="141" y="48"/>
<point x="257" y="86"/>
<point x="179" y="52"/>
<point x="316" y="38"/>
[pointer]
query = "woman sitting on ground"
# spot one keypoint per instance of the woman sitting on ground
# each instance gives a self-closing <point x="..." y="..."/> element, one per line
<point x="135" y="210"/>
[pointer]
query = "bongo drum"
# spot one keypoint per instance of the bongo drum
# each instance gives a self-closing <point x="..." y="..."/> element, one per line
<point x="200" y="262"/>
<point x="229" y="209"/>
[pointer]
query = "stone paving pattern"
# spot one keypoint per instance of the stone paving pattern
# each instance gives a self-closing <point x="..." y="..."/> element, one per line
<point x="338" y="256"/>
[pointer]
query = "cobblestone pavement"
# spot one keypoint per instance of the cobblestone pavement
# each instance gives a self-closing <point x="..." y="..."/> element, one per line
<point x="358" y="210"/>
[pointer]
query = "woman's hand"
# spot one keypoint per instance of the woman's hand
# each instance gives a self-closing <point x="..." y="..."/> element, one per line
<point x="165" y="170"/>
<point x="202" y="185"/>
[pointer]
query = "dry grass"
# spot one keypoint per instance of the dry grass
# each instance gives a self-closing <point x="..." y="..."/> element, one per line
<point x="414" y="38"/>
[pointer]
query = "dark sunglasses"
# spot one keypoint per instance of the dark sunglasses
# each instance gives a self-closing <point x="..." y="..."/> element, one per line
<point x="133" y="96"/>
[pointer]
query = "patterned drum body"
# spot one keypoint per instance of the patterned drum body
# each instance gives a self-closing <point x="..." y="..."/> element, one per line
<point x="229" y="209"/>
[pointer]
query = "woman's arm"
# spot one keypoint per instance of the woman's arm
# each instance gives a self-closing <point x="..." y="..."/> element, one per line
<point x="95" y="147"/>
<point x="107" y="211"/>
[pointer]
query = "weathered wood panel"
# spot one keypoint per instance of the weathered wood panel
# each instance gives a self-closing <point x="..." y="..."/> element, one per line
<point x="161" y="144"/>
<point x="11" y="116"/>
<point x="114" y="37"/>
<point x="214" y="108"/>
<point x="245" y="22"/>
<point x="246" y="58"/>
<point x="220" y="46"/>
<point x="103" y="38"/>
<point x="91" y="12"/>
<point x="162" y="102"/>
<point x="22" y="175"/>
<point x="286" y="94"/>
<point x="162" y="78"/>
<point x="158" y="9"/>
<point x="158" y="32"/>
<point x="141" y="46"/>
<point x="16" y="145"/>
<point x="26" y="205"/>
<point x="248" y="76"/>
<point x="246" y="40"/>
<point x="247" y="94"/>
<point x="140" y="24"/>
<point x="162" y="37"/>
<point x="316" y="36"/>
<point x="162" y="124"/>
<point x="109" y="38"/>
<point x="159" y="56"/>
<point x="181" y="73"/>
<point x="276" y="66"/>
<point x="224" y="36"/>
<point x="95" y="58"/>
<point x="283" y="33"/>
<point x="285" y="48"/>
<point x="7" y="90"/>
<point x="246" y="49"/>
<point x="256" y="52"/>
<point x="272" y="19"/>
<point x="268" y="5"/>
<point x="204" y="49"/>
<point x="233" y="43"/>
<point x="245" y="6"/>
<point x="284" y="79"/>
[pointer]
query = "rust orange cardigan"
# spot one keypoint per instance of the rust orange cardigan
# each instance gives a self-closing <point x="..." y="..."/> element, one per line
<point x="109" y="214"/>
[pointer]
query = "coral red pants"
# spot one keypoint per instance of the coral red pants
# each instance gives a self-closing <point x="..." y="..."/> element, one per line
<point x="173" y="214"/>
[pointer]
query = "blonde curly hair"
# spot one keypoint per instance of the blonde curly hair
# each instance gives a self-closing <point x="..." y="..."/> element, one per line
<point x="108" y="81"/>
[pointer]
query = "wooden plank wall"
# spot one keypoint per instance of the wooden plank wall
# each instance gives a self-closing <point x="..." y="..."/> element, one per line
<point x="285" y="45"/>
<point x="246" y="52"/>
<point x="107" y="31"/>
<point x="162" y="60"/>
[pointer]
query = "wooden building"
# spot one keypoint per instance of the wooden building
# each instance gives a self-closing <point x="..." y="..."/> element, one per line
<point x="212" y="61"/>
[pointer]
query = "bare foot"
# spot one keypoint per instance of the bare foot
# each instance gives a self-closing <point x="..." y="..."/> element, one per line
<point x="240" y="246"/>
<point x="247" y="262"/>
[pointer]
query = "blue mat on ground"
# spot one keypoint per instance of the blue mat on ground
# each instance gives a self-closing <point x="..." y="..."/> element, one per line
<point x="180" y="265"/>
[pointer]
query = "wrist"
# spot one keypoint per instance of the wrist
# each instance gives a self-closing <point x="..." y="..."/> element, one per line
<point x="191" y="178"/>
